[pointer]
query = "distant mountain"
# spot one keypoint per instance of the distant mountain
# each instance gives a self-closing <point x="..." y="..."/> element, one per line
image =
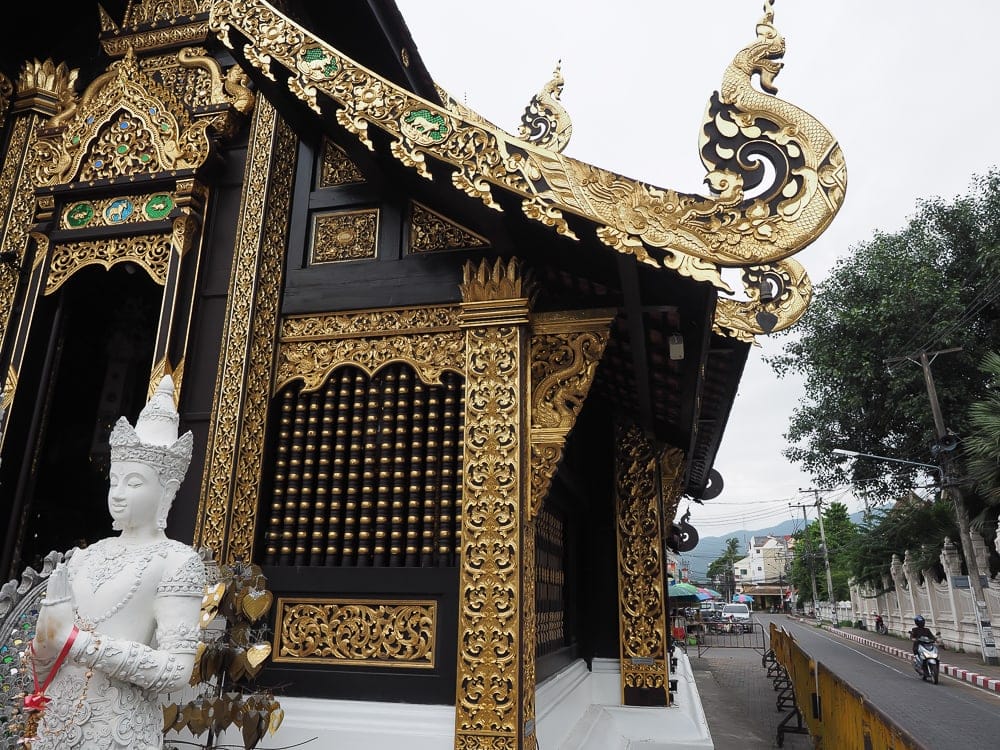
<point x="711" y="547"/>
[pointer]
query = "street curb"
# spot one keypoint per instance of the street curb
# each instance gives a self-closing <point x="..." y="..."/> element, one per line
<point x="978" y="680"/>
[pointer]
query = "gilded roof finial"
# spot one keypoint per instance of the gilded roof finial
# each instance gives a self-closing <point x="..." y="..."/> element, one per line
<point x="545" y="121"/>
<point x="768" y="12"/>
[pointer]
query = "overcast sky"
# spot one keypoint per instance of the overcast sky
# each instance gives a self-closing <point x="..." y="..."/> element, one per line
<point x="908" y="87"/>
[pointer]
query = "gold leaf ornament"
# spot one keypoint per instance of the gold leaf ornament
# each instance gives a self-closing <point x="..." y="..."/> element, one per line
<point x="257" y="653"/>
<point x="277" y="716"/>
<point x="170" y="713"/>
<point x="210" y="603"/>
<point x="256" y="604"/>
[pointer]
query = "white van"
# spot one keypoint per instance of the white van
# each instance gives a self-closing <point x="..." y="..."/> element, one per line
<point x="739" y="612"/>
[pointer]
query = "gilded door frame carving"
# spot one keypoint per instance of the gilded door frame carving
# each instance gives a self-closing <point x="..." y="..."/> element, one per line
<point x="227" y="512"/>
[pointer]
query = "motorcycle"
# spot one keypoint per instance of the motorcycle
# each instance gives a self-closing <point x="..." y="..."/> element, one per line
<point x="925" y="661"/>
<point x="880" y="626"/>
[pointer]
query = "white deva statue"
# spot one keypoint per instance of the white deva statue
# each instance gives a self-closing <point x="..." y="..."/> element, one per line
<point x="128" y="606"/>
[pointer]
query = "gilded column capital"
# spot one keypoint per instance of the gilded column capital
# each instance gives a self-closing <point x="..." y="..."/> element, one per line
<point x="45" y="87"/>
<point x="495" y="294"/>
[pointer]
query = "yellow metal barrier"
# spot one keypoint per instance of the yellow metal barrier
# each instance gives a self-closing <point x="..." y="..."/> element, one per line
<point x="837" y="715"/>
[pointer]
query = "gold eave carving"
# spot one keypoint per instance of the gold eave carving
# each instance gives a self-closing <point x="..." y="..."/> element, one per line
<point x="565" y="350"/>
<point x="697" y="234"/>
<point x="427" y="338"/>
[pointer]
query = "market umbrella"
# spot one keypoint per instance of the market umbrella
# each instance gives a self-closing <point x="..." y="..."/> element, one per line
<point x="742" y="598"/>
<point x="710" y="593"/>
<point x="683" y="591"/>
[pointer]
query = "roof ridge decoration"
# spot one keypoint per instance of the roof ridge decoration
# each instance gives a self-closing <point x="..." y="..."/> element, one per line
<point x="545" y="121"/>
<point x="746" y="221"/>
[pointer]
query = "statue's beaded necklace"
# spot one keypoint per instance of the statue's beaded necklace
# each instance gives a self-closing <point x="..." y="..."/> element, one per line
<point x="107" y="561"/>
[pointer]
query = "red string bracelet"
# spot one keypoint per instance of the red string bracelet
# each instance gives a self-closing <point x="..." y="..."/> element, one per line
<point x="38" y="700"/>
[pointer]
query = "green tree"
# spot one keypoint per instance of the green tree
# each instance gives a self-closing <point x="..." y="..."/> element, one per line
<point x="932" y="285"/>
<point x="981" y="447"/>
<point x="722" y="566"/>
<point x="841" y="539"/>
<point x="896" y="530"/>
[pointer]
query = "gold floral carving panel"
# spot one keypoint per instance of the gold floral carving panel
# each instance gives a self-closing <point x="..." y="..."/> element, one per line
<point x="344" y="235"/>
<point x="336" y="167"/>
<point x="356" y="633"/>
<point x="430" y="231"/>
<point x="641" y="598"/>
<point x="150" y="252"/>
<point x="427" y="338"/>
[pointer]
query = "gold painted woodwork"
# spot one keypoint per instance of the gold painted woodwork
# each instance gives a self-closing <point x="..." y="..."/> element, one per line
<point x="671" y="482"/>
<point x="494" y="706"/>
<point x="161" y="135"/>
<point x="344" y="235"/>
<point x="641" y="598"/>
<point x="545" y="121"/>
<point x="227" y="511"/>
<point x="792" y="294"/>
<point x="430" y="231"/>
<point x="149" y="252"/>
<point x="140" y="12"/>
<point x="356" y="632"/>
<point x="427" y="338"/>
<point x="46" y="87"/>
<point x="6" y="93"/>
<point x="696" y="233"/>
<point x="565" y="350"/>
<point x="153" y="25"/>
<point x="336" y="167"/>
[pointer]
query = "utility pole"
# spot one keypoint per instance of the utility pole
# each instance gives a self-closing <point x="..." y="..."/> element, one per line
<point x="826" y="554"/>
<point x="944" y="459"/>
<point x="809" y="554"/>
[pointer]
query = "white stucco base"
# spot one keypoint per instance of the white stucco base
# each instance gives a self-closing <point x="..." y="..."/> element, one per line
<point x="577" y="709"/>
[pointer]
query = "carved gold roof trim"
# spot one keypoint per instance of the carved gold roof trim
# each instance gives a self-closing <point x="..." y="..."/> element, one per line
<point x="727" y="229"/>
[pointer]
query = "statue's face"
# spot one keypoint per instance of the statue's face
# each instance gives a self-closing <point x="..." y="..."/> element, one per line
<point x="134" y="495"/>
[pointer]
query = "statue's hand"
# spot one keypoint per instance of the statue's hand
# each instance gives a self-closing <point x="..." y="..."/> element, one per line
<point x="55" y="619"/>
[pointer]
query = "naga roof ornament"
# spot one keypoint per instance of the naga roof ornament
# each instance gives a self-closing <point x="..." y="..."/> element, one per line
<point x="752" y="216"/>
<point x="545" y="121"/>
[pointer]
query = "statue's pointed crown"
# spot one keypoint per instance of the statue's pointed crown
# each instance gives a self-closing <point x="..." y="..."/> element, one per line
<point x="154" y="440"/>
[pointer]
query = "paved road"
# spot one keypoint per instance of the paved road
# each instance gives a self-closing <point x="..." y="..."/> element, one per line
<point x="950" y="714"/>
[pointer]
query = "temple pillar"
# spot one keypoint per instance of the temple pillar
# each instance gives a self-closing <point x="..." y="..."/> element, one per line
<point x="495" y="682"/>
<point x="42" y="90"/>
<point x="642" y="622"/>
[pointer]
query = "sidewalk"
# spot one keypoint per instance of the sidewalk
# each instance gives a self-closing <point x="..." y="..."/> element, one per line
<point x="739" y="701"/>
<point x="962" y="666"/>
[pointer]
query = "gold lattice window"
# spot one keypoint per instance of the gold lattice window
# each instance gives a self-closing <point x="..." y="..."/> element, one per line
<point x="367" y="471"/>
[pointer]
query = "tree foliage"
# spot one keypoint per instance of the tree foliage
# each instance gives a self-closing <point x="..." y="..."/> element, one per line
<point x="982" y="446"/>
<point x="901" y="528"/>
<point x="722" y="566"/>
<point x="932" y="285"/>
<point x="841" y="536"/>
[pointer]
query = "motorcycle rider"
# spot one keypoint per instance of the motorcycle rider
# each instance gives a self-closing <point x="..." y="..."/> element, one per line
<point x="920" y="631"/>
